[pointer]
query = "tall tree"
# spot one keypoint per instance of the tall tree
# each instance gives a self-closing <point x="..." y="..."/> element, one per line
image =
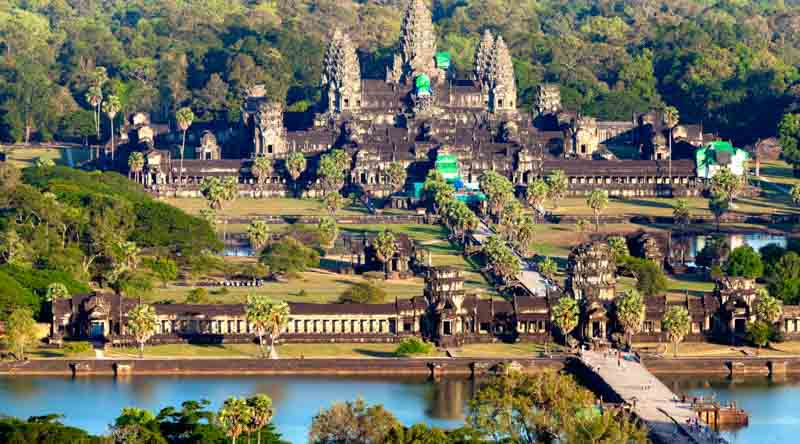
<point x="217" y="190"/>
<point x="558" y="186"/>
<point x="235" y="416"/>
<point x="630" y="311"/>
<point x="767" y="308"/>
<point x="258" y="234"/>
<point x="352" y="422"/>
<point x="719" y="205"/>
<point x="295" y="165"/>
<point x="597" y="201"/>
<point x="385" y="245"/>
<point x="261" y="406"/>
<point x="537" y="194"/>
<point x="136" y="164"/>
<point x="56" y="291"/>
<point x="396" y="176"/>
<point x="565" y="315"/>
<point x="142" y="325"/>
<point x="681" y="213"/>
<point x="257" y="313"/>
<point x="671" y="119"/>
<point x="676" y="324"/>
<point x="261" y="170"/>
<point x="328" y="231"/>
<point x="184" y="117"/>
<point x="277" y="319"/>
<point x="498" y="189"/>
<point x="111" y="107"/>
<point x="21" y="332"/>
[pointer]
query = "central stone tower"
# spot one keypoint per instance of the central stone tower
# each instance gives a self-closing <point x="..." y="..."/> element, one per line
<point x="417" y="46"/>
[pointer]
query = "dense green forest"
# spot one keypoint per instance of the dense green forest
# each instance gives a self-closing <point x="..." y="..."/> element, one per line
<point x="730" y="64"/>
<point x="64" y="226"/>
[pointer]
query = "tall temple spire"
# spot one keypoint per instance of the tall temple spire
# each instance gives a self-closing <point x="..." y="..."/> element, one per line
<point x="483" y="59"/>
<point x="503" y="93"/>
<point x="417" y="41"/>
<point x="341" y="75"/>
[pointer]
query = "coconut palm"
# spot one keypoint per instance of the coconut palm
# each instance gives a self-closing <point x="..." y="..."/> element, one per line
<point x="111" y="107"/>
<point x="261" y="170"/>
<point x="258" y="234"/>
<point x="295" y="165"/>
<point x="261" y="406"/>
<point x="142" y="324"/>
<point x="676" y="324"/>
<point x="184" y="117"/>
<point x="671" y="120"/>
<point x="597" y="201"/>
<point x="630" y="310"/>
<point x="136" y="164"/>
<point x="526" y="233"/>
<point x="548" y="268"/>
<point x="385" y="246"/>
<point x="235" y="416"/>
<point x="564" y="315"/>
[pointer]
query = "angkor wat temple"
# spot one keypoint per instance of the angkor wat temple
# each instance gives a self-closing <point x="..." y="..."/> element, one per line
<point x="419" y="110"/>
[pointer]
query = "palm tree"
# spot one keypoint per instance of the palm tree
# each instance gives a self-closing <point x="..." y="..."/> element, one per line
<point x="396" y="174"/>
<point x="136" y="164"/>
<point x="261" y="406"/>
<point x="526" y="233"/>
<point x="676" y="324"/>
<point x="277" y="318"/>
<point x="142" y="324"/>
<point x="295" y="165"/>
<point x="261" y="169"/>
<point x="559" y="184"/>
<point x="217" y="190"/>
<point x="234" y="417"/>
<point x="564" y="315"/>
<point x="257" y="313"/>
<point x="95" y="97"/>
<point x="597" y="201"/>
<point x="184" y="117"/>
<point x="385" y="246"/>
<point x="630" y="311"/>
<point x="671" y="120"/>
<point x="681" y="213"/>
<point x="795" y="194"/>
<point x="111" y="107"/>
<point x="537" y="194"/>
<point x="258" y="234"/>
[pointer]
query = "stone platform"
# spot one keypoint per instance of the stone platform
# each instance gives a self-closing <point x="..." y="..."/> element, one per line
<point x="652" y="401"/>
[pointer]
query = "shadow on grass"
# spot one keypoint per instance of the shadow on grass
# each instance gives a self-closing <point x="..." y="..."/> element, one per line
<point x="375" y="353"/>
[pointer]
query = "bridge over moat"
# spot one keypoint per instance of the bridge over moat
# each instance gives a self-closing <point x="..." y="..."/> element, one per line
<point x="654" y="403"/>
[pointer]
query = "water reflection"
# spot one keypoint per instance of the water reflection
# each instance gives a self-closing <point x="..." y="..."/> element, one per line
<point x="688" y="246"/>
<point x="93" y="402"/>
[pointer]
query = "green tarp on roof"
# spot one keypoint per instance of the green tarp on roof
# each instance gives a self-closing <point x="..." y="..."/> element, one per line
<point x="447" y="164"/>
<point x="443" y="60"/>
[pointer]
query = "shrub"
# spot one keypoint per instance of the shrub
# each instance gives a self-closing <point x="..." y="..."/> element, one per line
<point x="413" y="346"/>
<point x="13" y="296"/>
<point x="362" y="293"/>
<point x="77" y="348"/>
<point x="197" y="296"/>
<point x="288" y="255"/>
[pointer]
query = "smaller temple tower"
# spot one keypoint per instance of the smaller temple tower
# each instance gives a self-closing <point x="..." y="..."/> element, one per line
<point x="341" y="76"/>
<point x="591" y="272"/>
<point x="547" y="100"/>
<point x="483" y="59"/>
<point x="503" y="92"/>
<point x="270" y="134"/>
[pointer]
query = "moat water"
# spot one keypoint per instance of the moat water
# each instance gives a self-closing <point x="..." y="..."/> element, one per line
<point x="92" y="403"/>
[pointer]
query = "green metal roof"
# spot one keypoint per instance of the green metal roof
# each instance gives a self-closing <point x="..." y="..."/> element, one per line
<point x="422" y="82"/>
<point x="447" y="164"/>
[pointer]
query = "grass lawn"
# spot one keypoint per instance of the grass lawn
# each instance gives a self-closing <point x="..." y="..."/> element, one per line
<point x="498" y="350"/>
<point x="778" y="171"/>
<point x="343" y="350"/>
<point x="276" y="206"/>
<point x="319" y="286"/>
<point x="25" y="157"/>
<point x="417" y="232"/>
<point x="703" y="349"/>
